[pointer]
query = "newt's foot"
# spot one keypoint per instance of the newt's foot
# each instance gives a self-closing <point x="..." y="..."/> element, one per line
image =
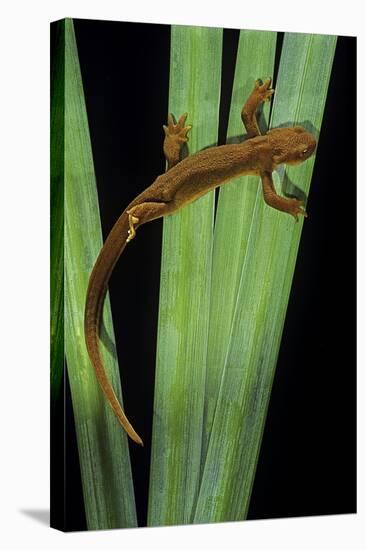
<point x="263" y="90"/>
<point x="177" y="132"/>
<point x="132" y="220"/>
<point x="296" y="208"/>
<point x="175" y="138"/>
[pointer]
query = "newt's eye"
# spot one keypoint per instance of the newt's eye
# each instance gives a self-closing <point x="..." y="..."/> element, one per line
<point x="304" y="152"/>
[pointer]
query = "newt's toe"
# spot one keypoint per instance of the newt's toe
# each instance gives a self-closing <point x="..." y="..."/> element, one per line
<point x="182" y="120"/>
<point x="297" y="208"/>
<point x="267" y="83"/>
<point x="170" y="121"/>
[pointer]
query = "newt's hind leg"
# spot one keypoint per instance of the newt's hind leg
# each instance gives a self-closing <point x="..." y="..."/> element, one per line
<point x="175" y="138"/>
<point x="261" y="92"/>
<point x="146" y="212"/>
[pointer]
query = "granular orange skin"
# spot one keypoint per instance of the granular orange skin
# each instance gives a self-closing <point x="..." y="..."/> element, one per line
<point x="184" y="182"/>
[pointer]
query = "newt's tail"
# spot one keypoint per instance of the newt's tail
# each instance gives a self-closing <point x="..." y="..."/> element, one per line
<point x="97" y="289"/>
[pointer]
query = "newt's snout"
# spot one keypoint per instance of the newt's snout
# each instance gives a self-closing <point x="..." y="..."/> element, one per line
<point x="310" y="145"/>
<point x="302" y="147"/>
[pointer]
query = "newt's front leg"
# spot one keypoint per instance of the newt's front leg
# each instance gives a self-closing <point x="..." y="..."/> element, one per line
<point x="291" y="206"/>
<point x="261" y="92"/>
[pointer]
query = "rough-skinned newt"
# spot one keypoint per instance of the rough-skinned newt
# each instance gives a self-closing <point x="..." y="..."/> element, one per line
<point x="184" y="182"/>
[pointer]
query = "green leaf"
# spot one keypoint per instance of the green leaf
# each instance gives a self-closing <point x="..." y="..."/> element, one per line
<point x="57" y="211"/>
<point x="263" y="291"/>
<point x="255" y="59"/>
<point x="195" y="71"/>
<point x="102" y="444"/>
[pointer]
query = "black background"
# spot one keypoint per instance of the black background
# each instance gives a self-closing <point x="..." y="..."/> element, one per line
<point x="307" y="464"/>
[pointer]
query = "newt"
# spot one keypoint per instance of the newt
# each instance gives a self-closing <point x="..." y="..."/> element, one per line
<point x="184" y="182"/>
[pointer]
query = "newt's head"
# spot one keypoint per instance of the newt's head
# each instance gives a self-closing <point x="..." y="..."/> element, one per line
<point x="291" y="145"/>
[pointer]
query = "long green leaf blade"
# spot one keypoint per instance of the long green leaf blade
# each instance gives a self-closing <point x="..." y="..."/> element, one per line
<point x="255" y="59"/>
<point x="263" y="293"/>
<point x="195" y="72"/>
<point x="102" y="444"/>
<point x="57" y="211"/>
